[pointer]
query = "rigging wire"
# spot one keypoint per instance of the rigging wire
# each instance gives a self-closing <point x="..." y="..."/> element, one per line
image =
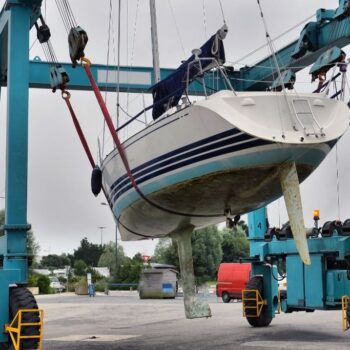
<point x="107" y="75"/>
<point x="222" y="12"/>
<point x="177" y="28"/>
<point x="34" y="42"/>
<point x="130" y="116"/>
<point x="132" y="55"/>
<point x="118" y="63"/>
<point x="204" y="20"/>
<point x="273" y="40"/>
<point x="338" y="180"/>
<point x="270" y="44"/>
<point x="127" y="50"/>
<point x="134" y="34"/>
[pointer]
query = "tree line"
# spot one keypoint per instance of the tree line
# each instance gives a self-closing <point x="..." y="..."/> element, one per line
<point x="210" y="247"/>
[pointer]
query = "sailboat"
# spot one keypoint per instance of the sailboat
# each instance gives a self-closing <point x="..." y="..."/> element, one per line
<point x="200" y="163"/>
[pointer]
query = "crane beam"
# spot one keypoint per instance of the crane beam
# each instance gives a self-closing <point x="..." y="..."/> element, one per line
<point x="131" y="79"/>
<point x="332" y="28"/>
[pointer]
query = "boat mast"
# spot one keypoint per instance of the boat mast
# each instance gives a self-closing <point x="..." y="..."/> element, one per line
<point x="154" y="35"/>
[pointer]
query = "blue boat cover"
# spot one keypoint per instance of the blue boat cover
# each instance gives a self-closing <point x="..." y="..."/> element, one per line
<point x="167" y="92"/>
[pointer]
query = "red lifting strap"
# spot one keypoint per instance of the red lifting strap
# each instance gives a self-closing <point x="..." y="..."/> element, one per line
<point x="86" y="64"/>
<point x="109" y="122"/>
<point x="66" y="97"/>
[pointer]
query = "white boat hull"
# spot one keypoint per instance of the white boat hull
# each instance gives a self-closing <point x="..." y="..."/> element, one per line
<point x="222" y="153"/>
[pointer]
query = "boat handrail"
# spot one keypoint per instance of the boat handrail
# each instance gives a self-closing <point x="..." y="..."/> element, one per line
<point x="216" y="65"/>
<point x="188" y="81"/>
<point x="146" y="109"/>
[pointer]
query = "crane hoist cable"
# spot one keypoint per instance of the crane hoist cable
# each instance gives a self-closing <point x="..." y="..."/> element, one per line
<point x="58" y="76"/>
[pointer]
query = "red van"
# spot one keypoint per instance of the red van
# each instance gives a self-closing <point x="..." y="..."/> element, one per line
<point x="232" y="278"/>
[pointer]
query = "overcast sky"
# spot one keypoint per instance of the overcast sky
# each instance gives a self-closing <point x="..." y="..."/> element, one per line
<point x="61" y="208"/>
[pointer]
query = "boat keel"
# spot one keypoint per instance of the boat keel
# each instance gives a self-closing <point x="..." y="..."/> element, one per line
<point x="291" y="192"/>
<point x="194" y="308"/>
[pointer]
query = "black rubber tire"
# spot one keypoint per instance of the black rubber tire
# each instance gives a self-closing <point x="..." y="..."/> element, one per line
<point x="225" y="297"/>
<point x="348" y="312"/>
<point x="22" y="298"/>
<point x="264" y="319"/>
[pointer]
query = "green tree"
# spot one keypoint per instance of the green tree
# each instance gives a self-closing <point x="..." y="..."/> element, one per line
<point x="32" y="245"/>
<point x="166" y="252"/>
<point x="207" y="253"/>
<point x="109" y="259"/>
<point x="54" y="261"/>
<point x="138" y="258"/>
<point x="206" y="250"/>
<point x="80" y="268"/>
<point x="128" y="271"/>
<point x="88" y="252"/>
<point x="43" y="283"/>
<point x="2" y="217"/>
<point x="234" y="244"/>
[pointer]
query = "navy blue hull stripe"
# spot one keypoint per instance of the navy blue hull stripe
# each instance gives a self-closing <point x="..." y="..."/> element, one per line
<point x="227" y="142"/>
<point x="216" y="153"/>
<point x="190" y="146"/>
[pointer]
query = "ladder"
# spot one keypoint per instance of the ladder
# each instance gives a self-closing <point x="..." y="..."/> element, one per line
<point x="306" y="118"/>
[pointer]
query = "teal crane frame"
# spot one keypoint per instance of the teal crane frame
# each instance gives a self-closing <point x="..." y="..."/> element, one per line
<point x="19" y="74"/>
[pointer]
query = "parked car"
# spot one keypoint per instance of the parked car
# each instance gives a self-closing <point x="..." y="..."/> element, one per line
<point x="56" y="284"/>
<point x="232" y="279"/>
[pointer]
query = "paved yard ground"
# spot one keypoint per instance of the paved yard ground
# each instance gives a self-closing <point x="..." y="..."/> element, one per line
<point x="123" y="321"/>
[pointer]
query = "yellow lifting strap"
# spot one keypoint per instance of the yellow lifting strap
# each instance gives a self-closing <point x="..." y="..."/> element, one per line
<point x="252" y="302"/>
<point x="344" y="312"/>
<point x="15" y="328"/>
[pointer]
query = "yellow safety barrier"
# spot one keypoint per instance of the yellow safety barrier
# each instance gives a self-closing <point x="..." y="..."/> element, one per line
<point x="15" y="328"/>
<point x="254" y="309"/>
<point x="344" y="308"/>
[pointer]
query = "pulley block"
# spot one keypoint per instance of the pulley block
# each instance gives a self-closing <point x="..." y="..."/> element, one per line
<point x="77" y="40"/>
<point x="43" y="31"/>
<point x="58" y="77"/>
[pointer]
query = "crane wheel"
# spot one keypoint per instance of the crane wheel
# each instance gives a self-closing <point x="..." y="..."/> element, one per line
<point x="21" y="298"/>
<point x="264" y="319"/>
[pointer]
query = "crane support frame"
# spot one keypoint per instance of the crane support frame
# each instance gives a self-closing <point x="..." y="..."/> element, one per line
<point x="332" y="28"/>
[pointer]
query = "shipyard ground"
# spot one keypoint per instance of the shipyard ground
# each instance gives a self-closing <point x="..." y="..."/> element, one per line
<point x="122" y="321"/>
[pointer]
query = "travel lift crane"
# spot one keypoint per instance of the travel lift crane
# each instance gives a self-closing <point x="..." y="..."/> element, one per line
<point x="318" y="286"/>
